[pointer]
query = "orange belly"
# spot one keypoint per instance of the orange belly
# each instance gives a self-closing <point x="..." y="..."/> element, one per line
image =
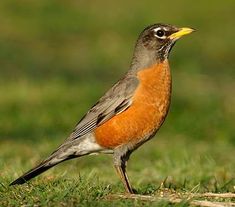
<point x="145" y="115"/>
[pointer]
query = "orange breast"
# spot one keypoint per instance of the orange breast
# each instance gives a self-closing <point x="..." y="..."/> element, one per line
<point x="147" y="112"/>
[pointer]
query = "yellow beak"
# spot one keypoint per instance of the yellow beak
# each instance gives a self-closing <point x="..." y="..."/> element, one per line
<point x="183" y="31"/>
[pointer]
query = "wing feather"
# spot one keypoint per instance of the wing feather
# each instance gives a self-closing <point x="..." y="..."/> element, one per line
<point x="115" y="101"/>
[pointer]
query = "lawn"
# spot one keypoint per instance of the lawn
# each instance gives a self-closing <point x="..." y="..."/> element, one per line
<point x="57" y="58"/>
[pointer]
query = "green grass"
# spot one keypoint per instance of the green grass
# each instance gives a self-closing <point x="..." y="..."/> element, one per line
<point x="186" y="167"/>
<point x="58" y="58"/>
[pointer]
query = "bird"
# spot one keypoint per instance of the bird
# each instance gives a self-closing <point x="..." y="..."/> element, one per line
<point x="130" y="113"/>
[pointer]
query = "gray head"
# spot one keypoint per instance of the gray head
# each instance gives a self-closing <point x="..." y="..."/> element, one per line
<point x="154" y="44"/>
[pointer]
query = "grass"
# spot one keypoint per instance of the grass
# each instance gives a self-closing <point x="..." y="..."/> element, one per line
<point x="58" y="58"/>
<point x="181" y="168"/>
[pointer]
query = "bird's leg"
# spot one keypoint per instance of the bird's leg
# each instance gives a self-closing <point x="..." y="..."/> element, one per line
<point x="122" y="173"/>
<point x="120" y="166"/>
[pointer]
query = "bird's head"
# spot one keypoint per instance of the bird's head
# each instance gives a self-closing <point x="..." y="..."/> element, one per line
<point x="155" y="41"/>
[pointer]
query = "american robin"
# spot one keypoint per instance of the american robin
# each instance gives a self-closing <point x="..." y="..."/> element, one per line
<point x="130" y="113"/>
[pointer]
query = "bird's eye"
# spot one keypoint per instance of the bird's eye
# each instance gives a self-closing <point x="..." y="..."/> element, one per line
<point x="160" y="33"/>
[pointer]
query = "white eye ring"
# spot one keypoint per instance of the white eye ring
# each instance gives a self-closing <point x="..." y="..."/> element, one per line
<point x="159" y="33"/>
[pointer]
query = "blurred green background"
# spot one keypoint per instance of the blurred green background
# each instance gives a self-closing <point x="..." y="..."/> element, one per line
<point x="58" y="57"/>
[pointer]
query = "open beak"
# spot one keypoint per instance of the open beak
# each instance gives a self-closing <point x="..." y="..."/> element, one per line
<point x="182" y="31"/>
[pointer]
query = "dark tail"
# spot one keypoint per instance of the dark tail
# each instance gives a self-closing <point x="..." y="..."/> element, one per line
<point x="31" y="174"/>
<point x="60" y="155"/>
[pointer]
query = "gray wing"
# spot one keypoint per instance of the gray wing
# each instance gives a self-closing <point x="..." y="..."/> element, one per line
<point x="115" y="101"/>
